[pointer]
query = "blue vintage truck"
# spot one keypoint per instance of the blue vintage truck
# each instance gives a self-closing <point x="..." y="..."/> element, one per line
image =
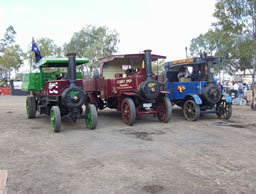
<point x="192" y="87"/>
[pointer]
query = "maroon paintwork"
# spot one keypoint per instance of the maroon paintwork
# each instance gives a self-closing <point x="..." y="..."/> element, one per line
<point x="120" y="87"/>
<point x="129" y="56"/>
<point x="56" y="87"/>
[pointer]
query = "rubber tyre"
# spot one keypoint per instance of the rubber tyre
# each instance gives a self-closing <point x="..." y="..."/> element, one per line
<point x="55" y="119"/>
<point x="191" y="110"/>
<point x="128" y="111"/>
<point x="242" y="102"/>
<point x="31" y="107"/>
<point x="164" y="110"/>
<point x="91" y="116"/>
<point x="225" y="110"/>
<point x="205" y="94"/>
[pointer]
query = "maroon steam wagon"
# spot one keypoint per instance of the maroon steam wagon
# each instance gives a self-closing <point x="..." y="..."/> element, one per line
<point x="126" y="83"/>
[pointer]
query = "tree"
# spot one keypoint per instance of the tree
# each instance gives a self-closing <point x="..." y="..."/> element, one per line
<point x="158" y="67"/>
<point x="47" y="47"/>
<point x="93" y="43"/>
<point x="238" y="17"/>
<point x="8" y="38"/>
<point x="213" y="43"/>
<point x="11" y="60"/>
<point x="203" y="43"/>
<point x="59" y="52"/>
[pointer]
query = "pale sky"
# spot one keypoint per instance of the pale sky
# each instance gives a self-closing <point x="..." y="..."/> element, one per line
<point x="164" y="26"/>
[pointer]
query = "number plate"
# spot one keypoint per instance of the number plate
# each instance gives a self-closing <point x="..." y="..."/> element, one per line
<point x="147" y="105"/>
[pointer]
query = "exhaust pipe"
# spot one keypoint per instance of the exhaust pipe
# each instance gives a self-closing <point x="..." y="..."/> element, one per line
<point x="210" y="69"/>
<point x="72" y="68"/>
<point x="147" y="58"/>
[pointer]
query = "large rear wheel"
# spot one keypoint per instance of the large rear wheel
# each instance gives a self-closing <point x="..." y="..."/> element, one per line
<point x="224" y="110"/>
<point x="91" y="116"/>
<point x="128" y="111"/>
<point x="191" y="110"/>
<point x="55" y="119"/>
<point x="31" y="107"/>
<point x="164" y="110"/>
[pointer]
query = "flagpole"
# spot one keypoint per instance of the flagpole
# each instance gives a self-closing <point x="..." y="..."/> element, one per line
<point x="30" y="63"/>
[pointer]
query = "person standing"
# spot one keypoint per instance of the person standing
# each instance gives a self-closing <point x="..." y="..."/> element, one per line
<point x="240" y="89"/>
<point x="235" y="87"/>
<point x="245" y="90"/>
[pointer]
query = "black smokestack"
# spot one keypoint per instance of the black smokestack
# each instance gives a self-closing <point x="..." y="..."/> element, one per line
<point x="147" y="59"/>
<point x="72" y="67"/>
<point x="210" y="70"/>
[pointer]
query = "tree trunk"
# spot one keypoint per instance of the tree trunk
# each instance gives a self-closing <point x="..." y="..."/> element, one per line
<point x="253" y="61"/>
<point x="253" y="82"/>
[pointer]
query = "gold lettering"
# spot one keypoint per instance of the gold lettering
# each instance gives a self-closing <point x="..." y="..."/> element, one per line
<point x="150" y="85"/>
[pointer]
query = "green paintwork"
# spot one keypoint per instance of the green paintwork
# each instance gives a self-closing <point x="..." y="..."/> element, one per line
<point x="34" y="81"/>
<point x="59" y="62"/>
<point x="88" y="118"/>
<point x="53" y="124"/>
<point x="73" y="93"/>
<point x="27" y="107"/>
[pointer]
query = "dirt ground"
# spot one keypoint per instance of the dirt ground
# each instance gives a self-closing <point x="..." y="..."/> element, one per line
<point x="207" y="156"/>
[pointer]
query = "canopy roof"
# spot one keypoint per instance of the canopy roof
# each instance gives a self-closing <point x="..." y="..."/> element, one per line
<point x="192" y="61"/>
<point x="59" y="62"/>
<point x="130" y="56"/>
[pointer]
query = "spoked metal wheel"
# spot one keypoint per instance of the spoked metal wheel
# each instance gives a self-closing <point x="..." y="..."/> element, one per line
<point x="191" y="110"/>
<point x="55" y="119"/>
<point x="91" y="116"/>
<point x="31" y="107"/>
<point x="164" y="110"/>
<point x="128" y="111"/>
<point x="224" y="110"/>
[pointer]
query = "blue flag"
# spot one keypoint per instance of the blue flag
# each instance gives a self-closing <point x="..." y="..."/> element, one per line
<point x="36" y="51"/>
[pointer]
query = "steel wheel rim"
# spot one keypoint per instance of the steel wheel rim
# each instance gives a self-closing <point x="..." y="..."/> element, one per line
<point x="88" y="118"/>
<point x="162" y="111"/>
<point x="53" y="123"/>
<point x="27" y="108"/>
<point x="225" y="109"/>
<point x="190" y="110"/>
<point x="126" y="112"/>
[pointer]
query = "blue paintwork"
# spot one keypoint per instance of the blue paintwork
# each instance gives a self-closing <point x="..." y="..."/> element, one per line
<point x="196" y="60"/>
<point x="182" y="91"/>
<point x="197" y="99"/>
<point x="191" y="88"/>
<point x="227" y="98"/>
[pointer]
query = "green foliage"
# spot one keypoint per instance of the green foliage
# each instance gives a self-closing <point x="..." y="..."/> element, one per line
<point x="11" y="54"/>
<point x="8" y="38"/>
<point x="235" y="16"/>
<point x="158" y="67"/>
<point x="47" y="47"/>
<point x="236" y="20"/>
<point x="204" y="43"/>
<point x="11" y="59"/>
<point x="93" y="43"/>
<point x="231" y="37"/>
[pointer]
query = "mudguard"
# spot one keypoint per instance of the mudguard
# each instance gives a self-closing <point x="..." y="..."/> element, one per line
<point x="227" y="98"/>
<point x="196" y="98"/>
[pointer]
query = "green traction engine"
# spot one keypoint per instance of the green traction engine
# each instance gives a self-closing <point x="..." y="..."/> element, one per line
<point x="56" y="90"/>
